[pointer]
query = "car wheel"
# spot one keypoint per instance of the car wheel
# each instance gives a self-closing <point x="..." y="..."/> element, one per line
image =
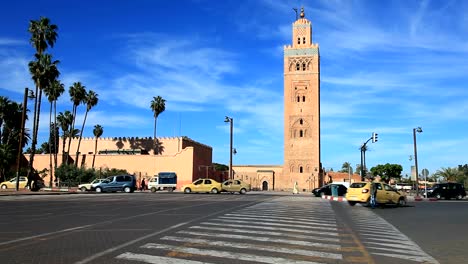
<point x="214" y="190"/>
<point x="401" y="202"/>
<point x="459" y="197"/>
<point x="438" y="196"/>
<point x="98" y="189"/>
<point x="153" y="189"/>
<point x="127" y="189"/>
<point x="4" y="187"/>
<point x="243" y="191"/>
<point x="83" y="189"/>
<point x="187" y="190"/>
<point x="351" y="203"/>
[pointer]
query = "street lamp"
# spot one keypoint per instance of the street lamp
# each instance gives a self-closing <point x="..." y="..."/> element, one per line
<point x="419" y="130"/>
<point x="231" y="122"/>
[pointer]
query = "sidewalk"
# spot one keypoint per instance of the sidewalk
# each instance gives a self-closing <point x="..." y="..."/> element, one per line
<point x="43" y="191"/>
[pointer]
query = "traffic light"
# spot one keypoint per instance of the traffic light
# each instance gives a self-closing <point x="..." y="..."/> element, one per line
<point x="374" y="137"/>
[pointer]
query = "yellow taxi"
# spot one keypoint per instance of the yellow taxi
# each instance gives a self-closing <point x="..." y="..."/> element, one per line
<point x="202" y="186"/>
<point x="359" y="192"/>
<point x="11" y="184"/>
<point x="233" y="186"/>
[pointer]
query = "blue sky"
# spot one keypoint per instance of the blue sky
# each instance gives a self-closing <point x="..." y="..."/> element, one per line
<point x="386" y="67"/>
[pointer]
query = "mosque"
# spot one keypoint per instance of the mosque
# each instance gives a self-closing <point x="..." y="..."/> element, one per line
<point x="192" y="160"/>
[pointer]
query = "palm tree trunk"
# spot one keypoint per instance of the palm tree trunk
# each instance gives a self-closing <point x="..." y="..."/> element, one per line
<point x="70" y="136"/>
<point x="79" y="140"/>
<point x="95" y="150"/>
<point x="55" y="137"/>
<point x="155" y="144"/>
<point x="50" y="146"/>
<point x="34" y="141"/>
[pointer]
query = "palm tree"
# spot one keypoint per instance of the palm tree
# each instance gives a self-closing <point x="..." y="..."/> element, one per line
<point x="97" y="131"/>
<point x="43" y="35"/>
<point x="91" y="99"/>
<point x="53" y="92"/>
<point x="448" y="174"/>
<point x="64" y="122"/>
<point x="4" y="104"/>
<point x="77" y="95"/>
<point x="158" y="105"/>
<point x="43" y="71"/>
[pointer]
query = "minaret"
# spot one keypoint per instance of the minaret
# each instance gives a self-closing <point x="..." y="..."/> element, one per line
<point x="302" y="108"/>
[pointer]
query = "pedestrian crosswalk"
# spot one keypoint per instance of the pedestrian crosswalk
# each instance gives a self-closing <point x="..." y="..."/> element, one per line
<point x="383" y="239"/>
<point x="289" y="229"/>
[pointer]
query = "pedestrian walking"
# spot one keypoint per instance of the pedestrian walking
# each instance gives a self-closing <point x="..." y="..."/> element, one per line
<point x="143" y="185"/>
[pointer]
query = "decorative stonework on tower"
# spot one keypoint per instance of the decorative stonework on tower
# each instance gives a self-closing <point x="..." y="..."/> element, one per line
<point x="302" y="107"/>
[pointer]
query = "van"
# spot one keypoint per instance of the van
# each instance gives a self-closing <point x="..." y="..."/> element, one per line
<point x="125" y="183"/>
<point x="447" y="190"/>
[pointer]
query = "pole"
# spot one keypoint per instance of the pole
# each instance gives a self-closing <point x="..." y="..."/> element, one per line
<point x="416" y="162"/>
<point x="231" y="121"/>
<point x="362" y="164"/>
<point x="20" y="147"/>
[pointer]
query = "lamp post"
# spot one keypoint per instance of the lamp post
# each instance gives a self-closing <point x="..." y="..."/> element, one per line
<point x="419" y="130"/>
<point x="231" y="122"/>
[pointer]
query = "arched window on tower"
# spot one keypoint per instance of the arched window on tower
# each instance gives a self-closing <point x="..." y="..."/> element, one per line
<point x="298" y="98"/>
<point x="301" y="169"/>
<point x="303" y="66"/>
<point x="301" y="133"/>
<point x="298" y="40"/>
<point x="300" y="121"/>
<point x="298" y="67"/>
<point x="303" y="40"/>
<point x="303" y="98"/>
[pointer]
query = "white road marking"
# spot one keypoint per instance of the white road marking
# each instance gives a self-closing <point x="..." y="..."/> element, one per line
<point x="274" y="228"/>
<point x="318" y="222"/>
<point x="230" y="255"/>
<point x="275" y="224"/>
<point x="264" y="239"/>
<point x="156" y="259"/>
<point x="293" y="251"/>
<point x="245" y="231"/>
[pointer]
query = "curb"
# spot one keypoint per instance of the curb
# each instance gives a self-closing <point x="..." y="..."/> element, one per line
<point x="333" y="198"/>
<point x="421" y="199"/>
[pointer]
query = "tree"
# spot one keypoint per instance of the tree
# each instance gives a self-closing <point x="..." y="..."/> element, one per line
<point x="77" y="95"/>
<point x="97" y="131"/>
<point x="10" y="133"/>
<point x="43" y="70"/>
<point x="347" y="168"/>
<point x="53" y="92"/>
<point x="158" y="105"/>
<point x="64" y="122"/>
<point x="448" y="174"/>
<point x="91" y="99"/>
<point x="387" y="171"/>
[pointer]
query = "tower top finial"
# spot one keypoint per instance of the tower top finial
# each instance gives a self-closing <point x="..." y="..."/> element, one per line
<point x="302" y="12"/>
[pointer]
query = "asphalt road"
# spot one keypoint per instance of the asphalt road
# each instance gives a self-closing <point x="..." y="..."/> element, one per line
<point x="224" y="228"/>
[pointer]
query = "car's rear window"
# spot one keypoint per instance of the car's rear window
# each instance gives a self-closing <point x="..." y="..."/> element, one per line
<point x="357" y="185"/>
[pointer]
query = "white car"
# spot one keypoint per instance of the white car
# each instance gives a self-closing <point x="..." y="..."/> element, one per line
<point x="89" y="186"/>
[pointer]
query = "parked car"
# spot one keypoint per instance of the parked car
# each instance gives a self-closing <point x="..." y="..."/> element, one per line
<point x="202" y="186"/>
<point x="359" y="192"/>
<point x="125" y="183"/>
<point x="327" y="190"/>
<point x="447" y="190"/>
<point x="90" y="186"/>
<point x="235" y="186"/>
<point x="11" y="184"/>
